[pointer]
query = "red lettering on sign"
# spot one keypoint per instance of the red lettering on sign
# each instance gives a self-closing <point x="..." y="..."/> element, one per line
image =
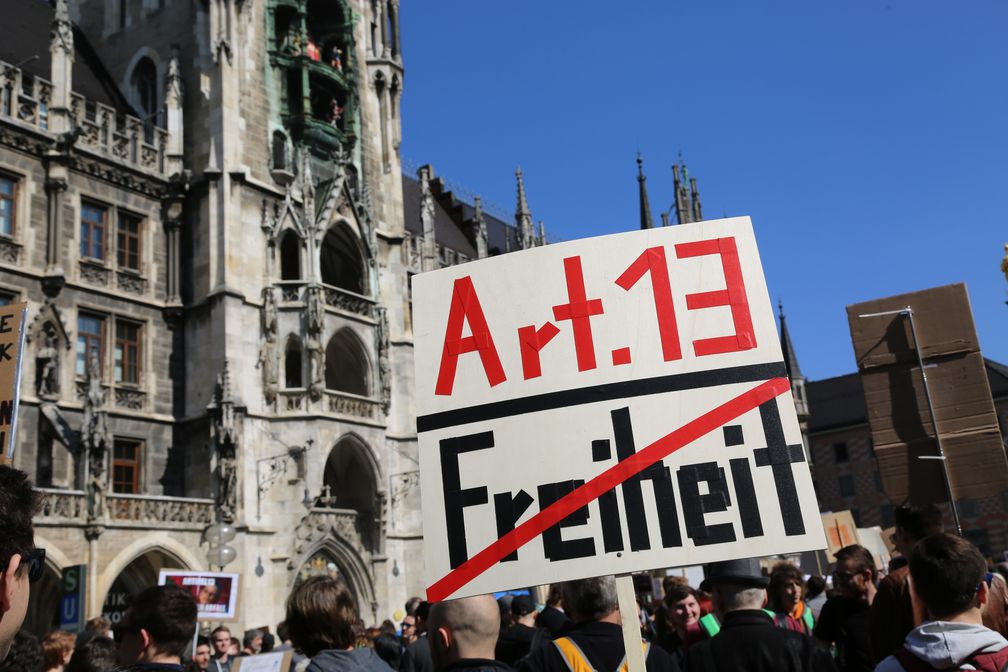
<point x="653" y="261"/>
<point x="531" y="341"/>
<point x="579" y="310"/>
<point x="733" y="296"/>
<point x="465" y="308"/>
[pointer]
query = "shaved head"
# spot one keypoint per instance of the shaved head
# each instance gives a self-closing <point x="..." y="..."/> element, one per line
<point x="463" y="629"/>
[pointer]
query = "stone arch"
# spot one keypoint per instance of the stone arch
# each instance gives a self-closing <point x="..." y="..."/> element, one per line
<point x="347" y="366"/>
<point x="342" y="259"/>
<point x="351" y="480"/>
<point x="145" y="91"/>
<point x="290" y="255"/>
<point x="350" y="566"/>
<point x="293" y="362"/>
<point x="173" y="553"/>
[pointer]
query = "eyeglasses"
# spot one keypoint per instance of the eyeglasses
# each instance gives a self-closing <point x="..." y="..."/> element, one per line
<point x="408" y="625"/>
<point x="120" y="631"/>
<point x="35" y="561"/>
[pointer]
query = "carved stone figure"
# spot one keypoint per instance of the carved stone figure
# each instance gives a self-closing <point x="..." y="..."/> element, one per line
<point x="268" y="366"/>
<point x="384" y="368"/>
<point x="269" y="311"/>
<point x="314" y="309"/>
<point x="316" y="364"/>
<point x="47" y="363"/>
<point x="94" y="436"/>
<point x="224" y="432"/>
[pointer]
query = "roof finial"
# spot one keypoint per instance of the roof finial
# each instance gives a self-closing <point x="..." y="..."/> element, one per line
<point x="645" y="204"/>
<point x="523" y="216"/>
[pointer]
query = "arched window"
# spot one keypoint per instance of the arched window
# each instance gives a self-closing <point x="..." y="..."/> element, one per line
<point x="340" y="260"/>
<point x="349" y="482"/>
<point x="290" y="256"/>
<point x="279" y="151"/>
<point x="346" y="365"/>
<point x="292" y="362"/>
<point x="145" y="89"/>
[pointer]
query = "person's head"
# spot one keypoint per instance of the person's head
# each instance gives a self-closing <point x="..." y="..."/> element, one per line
<point x="854" y="577"/>
<point x="100" y="626"/>
<point x="201" y="656"/>
<point x="409" y="629"/>
<point x="787" y="587"/>
<point x="386" y="647"/>
<point x="252" y="641"/>
<point x="504" y="604"/>
<point x="234" y="648"/>
<point x="913" y="524"/>
<point x="682" y="606"/>
<point x="729" y="597"/>
<point x="220" y="640"/>
<point x="387" y="627"/>
<point x="320" y="615"/>
<point x="98" y="654"/>
<point x="411" y="605"/>
<point x="283" y="632"/>
<point x="207" y="594"/>
<point x="268" y="642"/>
<point x="157" y="626"/>
<point x="25" y="654"/>
<point x="57" y="647"/>
<point x="948" y="576"/>
<point x="17" y="552"/>
<point x="555" y="596"/>
<point x="735" y="585"/>
<point x="814" y="587"/>
<point x="421" y="613"/>
<point x="463" y="629"/>
<point x="592" y="599"/>
<point x="523" y="610"/>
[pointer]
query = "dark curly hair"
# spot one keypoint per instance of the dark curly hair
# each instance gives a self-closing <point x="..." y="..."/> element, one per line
<point x="18" y="503"/>
<point x="779" y="576"/>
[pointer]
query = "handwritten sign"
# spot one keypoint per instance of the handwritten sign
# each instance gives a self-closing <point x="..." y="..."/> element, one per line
<point x="604" y="406"/>
<point x="13" y="318"/>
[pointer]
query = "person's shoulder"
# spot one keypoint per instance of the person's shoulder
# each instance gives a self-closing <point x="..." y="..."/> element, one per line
<point x="542" y="658"/>
<point x="889" y="664"/>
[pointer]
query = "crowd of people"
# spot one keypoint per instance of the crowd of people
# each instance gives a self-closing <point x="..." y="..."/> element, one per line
<point x="939" y="607"/>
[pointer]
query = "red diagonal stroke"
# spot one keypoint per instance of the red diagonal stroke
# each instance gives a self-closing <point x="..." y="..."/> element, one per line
<point x="607" y="480"/>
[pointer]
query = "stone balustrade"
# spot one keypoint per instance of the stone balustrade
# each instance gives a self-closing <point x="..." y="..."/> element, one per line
<point x="102" y="130"/>
<point x="62" y="507"/>
<point x="348" y="301"/>
<point x="352" y="405"/>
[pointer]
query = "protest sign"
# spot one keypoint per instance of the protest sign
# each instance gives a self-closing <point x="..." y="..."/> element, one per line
<point x="216" y="593"/>
<point x="604" y="406"/>
<point x="841" y="530"/>
<point x="73" y="598"/>
<point x="13" y="318"/>
<point x="903" y="431"/>
<point x="274" y="661"/>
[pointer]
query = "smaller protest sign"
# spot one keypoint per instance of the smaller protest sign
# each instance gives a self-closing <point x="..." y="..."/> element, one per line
<point x="12" y="332"/>
<point x="216" y="593"/>
<point x="840" y="531"/>
<point x="275" y="661"/>
<point x="72" y="598"/>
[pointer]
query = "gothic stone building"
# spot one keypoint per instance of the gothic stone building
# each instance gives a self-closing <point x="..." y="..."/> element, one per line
<point x="203" y="205"/>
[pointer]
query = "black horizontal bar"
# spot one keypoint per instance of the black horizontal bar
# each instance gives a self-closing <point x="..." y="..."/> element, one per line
<point x="595" y="393"/>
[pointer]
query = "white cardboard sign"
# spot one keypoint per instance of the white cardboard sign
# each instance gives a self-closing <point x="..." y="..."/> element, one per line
<point x="603" y="406"/>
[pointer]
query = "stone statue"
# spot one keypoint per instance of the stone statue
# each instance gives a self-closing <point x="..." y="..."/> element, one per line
<point x="384" y="369"/>
<point x="316" y="367"/>
<point x="314" y="309"/>
<point x="269" y="311"/>
<point x="268" y="366"/>
<point x="94" y="436"/>
<point x="224" y="432"/>
<point x="47" y="363"/>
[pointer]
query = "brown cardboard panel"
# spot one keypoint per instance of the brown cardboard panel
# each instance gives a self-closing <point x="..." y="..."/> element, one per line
<point x="942" y="315"/>
<point x="840" y="531"/>
<point x="897" y="405"/>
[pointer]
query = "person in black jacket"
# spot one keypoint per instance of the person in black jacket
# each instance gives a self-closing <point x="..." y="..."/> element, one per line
<point x="596" y="640"/>
<point x="553" y="617"/>
<point x="156" y="629"/>
<point x="462" y="634"/>
<point x="518" y="640"/>
<point x="748" y="639"/>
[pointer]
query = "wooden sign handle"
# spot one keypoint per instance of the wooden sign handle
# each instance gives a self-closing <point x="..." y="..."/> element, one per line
<point x="631" y="622"/>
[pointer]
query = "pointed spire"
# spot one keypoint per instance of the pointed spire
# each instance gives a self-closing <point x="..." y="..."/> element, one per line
<point x="428" y="259"/>
<point x="645" y="205"/>
<point x="787" y="348"/>
<point x="542" y="233"/>
<point x="687" y="196"/>
<point x="482" y="246"/>
<point x="61" y="51"/>
<point x="523" y="216"/>
<point x="173" y="113"/>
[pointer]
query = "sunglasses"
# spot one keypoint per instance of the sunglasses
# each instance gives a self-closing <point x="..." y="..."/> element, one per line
<point x="35" y="561"/>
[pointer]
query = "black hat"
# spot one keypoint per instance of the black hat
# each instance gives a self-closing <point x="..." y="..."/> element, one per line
<point x="522" y="605"/>
<point x="744" y="572"/>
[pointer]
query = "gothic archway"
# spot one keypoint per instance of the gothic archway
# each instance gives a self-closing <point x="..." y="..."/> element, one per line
<point x="341" y="260"/>
<point x="140" y="573"/>
<point x="347" y="368"/>
<point x="290" y="256"/>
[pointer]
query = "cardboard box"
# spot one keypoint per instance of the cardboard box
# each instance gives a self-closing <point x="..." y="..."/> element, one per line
<point x="901" y="425"/>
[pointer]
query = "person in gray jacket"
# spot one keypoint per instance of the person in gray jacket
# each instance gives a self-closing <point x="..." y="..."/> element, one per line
<point x="948" y="575"/>
<point x="320" y="616"/>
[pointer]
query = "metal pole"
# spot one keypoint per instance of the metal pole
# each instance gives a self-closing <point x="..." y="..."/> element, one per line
<point x="934" y="423"/>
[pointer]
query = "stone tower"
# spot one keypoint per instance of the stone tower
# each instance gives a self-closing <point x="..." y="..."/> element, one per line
<point x="291" y="363"/>
<point x="797" y="379"/>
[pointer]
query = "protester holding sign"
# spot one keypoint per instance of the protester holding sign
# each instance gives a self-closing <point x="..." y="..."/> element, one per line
<point x="596" y="640"/>
<point x="748" y="640"/>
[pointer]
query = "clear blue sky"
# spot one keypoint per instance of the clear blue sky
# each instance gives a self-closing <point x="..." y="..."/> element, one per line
<point x="867" y="139"/>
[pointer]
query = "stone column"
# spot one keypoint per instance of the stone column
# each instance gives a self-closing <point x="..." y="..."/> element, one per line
<point x="55" y="186"/>
<point x="393" y="10"/>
